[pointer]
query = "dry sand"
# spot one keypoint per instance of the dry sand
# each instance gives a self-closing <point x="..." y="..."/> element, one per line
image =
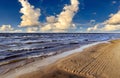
<point x="99" y="61"/>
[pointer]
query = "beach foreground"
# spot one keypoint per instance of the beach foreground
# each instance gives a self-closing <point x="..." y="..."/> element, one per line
<point x="99" y="61"/>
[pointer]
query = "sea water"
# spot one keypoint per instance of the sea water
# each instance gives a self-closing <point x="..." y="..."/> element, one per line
<point x="17" y="47"/>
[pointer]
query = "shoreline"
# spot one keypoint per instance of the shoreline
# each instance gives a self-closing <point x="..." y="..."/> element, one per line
<point x="45" y="62"/>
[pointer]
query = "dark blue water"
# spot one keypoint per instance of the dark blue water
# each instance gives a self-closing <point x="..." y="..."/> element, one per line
<point x="18" y="49"/>
<point x="22" y="45"/>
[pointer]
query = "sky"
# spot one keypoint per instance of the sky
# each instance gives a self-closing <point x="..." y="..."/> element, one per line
<point x="72" y="16"/>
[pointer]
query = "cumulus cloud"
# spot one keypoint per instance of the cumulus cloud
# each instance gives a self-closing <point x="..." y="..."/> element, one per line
<point x="6" y="28"/>
<point x="59" y="23"/>
<point x="112" y="24"/>
<point x="111" y="27"/>
<point x="114" y="19"/>
<point x="101" y="27"/>
<point x="32" y="29"/>
<point x="30" y="15"/>
<point x="51" y="19"/>
<point x="63" y="21"/>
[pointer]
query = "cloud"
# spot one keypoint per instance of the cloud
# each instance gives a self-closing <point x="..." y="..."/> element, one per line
<point x="101" y="27"/>
<point x="51" y="19"/>
<point x="63" y="21"/>
<point x="114" y="2"/>
<point x="17" y="31"/>
<point x="114" y="19"/>
<point x="112" y="24"/>
<point x="92" y="22"/>
<point x="32" y="29"/>
<point x="30" y="15"/>
<point x="6" y="28"/>
<point x="111" y="27"/>
<point x="59" y="23"/>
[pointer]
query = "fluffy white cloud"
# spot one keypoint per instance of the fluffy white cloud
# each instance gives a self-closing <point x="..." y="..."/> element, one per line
<point x="51" y="19"/>
<point x="111" y="27"/>
<point x="30" y="15"/>
<point x="112" y="24"/>
<point x="63" y="21"/>
<point x="6" y="28"/>
<point x="103" y="28"/>
<point x="59" y="23"/>
<point x="47" y="28"/>
<point x="32" y="29"/>
<point x="114" y="19"/>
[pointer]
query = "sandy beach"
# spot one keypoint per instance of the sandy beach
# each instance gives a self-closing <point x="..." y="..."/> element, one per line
<point x="97" y="60"/>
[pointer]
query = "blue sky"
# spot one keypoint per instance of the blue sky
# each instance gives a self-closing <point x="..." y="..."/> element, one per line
<point x="90" y="12"/>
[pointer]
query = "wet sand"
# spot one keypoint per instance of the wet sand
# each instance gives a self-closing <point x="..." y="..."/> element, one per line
<point x="97" y="61"/>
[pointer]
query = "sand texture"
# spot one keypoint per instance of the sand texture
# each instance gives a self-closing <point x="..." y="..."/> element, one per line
<point x="99" y="61"/>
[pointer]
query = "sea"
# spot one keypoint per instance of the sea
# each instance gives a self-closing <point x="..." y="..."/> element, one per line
<point x="18" y="49"/>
